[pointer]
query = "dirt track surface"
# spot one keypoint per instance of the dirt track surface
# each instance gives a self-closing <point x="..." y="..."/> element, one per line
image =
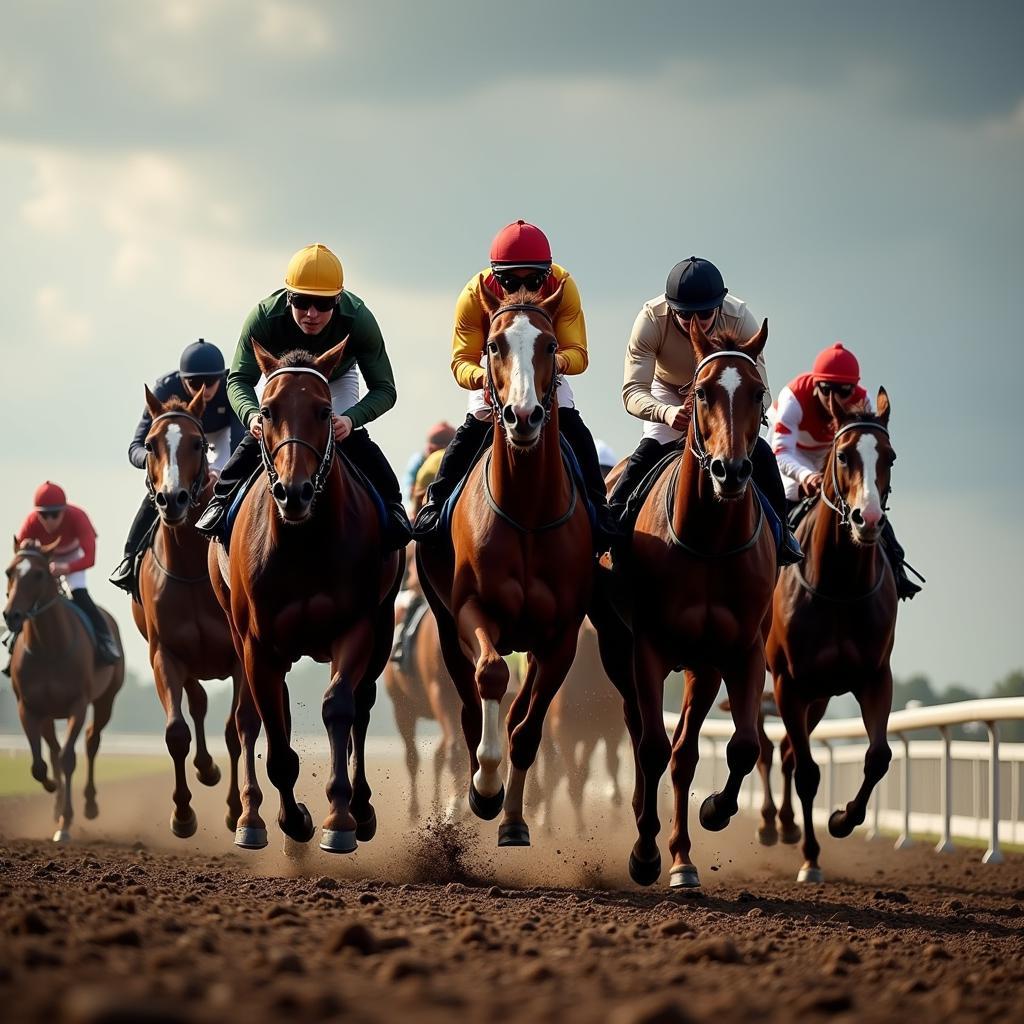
<point x="436" y="924"/>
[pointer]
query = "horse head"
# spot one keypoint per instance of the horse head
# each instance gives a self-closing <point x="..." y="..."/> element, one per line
<point x="728" y="407"/>
<point x="176" y="467"/>
<point x="296" y="417"/>
<point x="521" y="374"/>
<point x="30" y="584"/>
<point x="856" y="481"/>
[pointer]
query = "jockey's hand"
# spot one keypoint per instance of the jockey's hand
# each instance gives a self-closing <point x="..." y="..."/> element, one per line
<point x="811" y="486"/>
<point x="681" y="419"/>
<point x="59" y="568"/>
<point x="342" y="428"/>
<point x="256" y="426"/>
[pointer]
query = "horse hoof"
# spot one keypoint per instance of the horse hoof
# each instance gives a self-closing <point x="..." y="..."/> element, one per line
<point x="305" y="831"/>
<point x="791" y="834"/>
<point x="841" y="824"/>
<point x="767" y="836"/>
<point x="711" y="817"/>
<point x="334" y="841"/>
<point x="49" y="785"/>
<point x="684" y="876"/>
<point x="486" y="807"/>
<point x="811" y="875"/>
<point x="209" y="777"/>
<point x="92" y="809"/>
<point x="367" y="829"/>
<point x="644" y="872"/>
<point x="62" y="836"/>
<point x="187" y="828"/>
<point x="514" y="834"/>
<point x="249" y="838"/>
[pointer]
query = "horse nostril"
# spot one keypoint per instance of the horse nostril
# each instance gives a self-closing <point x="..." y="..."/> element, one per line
<point x="508" y="414"/>
<point x="745" y="469"/>
<point x="306" y="492"/>
<point x="718" y="469"/>
<point x="161" y="499"/>
<point x="181" y="498"/>
<point x="857" y="516"/>
<point x="280" y="492"/>
<point x="536" y="416"/>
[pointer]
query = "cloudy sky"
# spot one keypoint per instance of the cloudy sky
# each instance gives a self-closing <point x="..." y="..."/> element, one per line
<point x="855" y="171"/>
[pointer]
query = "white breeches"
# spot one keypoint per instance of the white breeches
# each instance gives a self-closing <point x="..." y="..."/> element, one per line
<point x="669" y="395"/>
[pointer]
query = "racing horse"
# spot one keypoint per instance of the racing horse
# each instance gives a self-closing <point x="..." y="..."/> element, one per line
<point x="54" y="673"/>
<point x="306" y="576"/>
<point x="518" y="574"/>
<point x="834" y="621"/>
<point x="176" y="610"/>
<point x="694" y="588"/>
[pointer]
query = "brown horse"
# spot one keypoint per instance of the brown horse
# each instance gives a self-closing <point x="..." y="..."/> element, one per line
<point x="695" y="590"/>
<point x="519" y="572"/>
<point x="834" y="623"/>
<point x="306" y="576"/>
<point x="178" y="614"/>
<point x="54" y="672"/>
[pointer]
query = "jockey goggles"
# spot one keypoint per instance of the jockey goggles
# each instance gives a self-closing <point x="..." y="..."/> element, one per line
<point x="831" y="388"/>
<point x="49" y="513"/>
<point x="321" y="303"/>
<point x="512" y="279"/>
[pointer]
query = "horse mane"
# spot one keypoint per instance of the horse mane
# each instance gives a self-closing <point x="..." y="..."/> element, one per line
<point x="298" y="357"/>
<point x="860" y="416"/>
<point x="30" y="543"/>
<point x="523" y="297"/>
<point x="175" y="404"/>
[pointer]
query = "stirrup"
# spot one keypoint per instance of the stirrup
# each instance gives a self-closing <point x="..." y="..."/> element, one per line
<point x="790" y="552"/>
<point x="209" y="522"/>
<point x="427" y="521"/>
<point x="122" y="577"/>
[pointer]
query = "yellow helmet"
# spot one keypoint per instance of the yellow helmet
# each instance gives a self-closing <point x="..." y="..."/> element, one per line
<point x="314" y="270"/>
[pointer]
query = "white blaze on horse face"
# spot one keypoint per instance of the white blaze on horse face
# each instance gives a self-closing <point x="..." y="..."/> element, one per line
<point x="871" y="500"/>
<point x="521" y="338"/>
<point x="487" y="780"/>
<point x="23" y="568"/>
<point x="730" y="381"/>
<point x="173" y="436"/>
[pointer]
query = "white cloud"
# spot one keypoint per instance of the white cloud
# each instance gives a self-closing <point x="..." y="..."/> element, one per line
<point x="61" y="325"/>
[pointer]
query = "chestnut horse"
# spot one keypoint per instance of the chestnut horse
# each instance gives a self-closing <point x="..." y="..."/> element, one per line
<point x="834" y="623"/>
<point x="306" y="576"/>
<point x="519" y="572"/>
<point x="178" y="614"/>
<point x="695" y="590"/>
<point x="54" y="673"/>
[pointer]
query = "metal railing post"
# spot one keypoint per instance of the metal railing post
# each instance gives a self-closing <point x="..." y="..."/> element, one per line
<point x="993" y="854"/>
<point x="945" y="844"/>
<point x="905" y="840"/>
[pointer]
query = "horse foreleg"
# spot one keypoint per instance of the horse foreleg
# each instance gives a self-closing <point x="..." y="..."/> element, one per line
<point x="250" y="829"/>
<point x="405" y="720"/>
<point x="612" y="738"/>
<point x="33" y="728"/>
<point x="67" y="766"/>
<point x="49" y="730"/>
<point x="207" y="771"/>
<point x="362" y="809"/>
<point x="808" y="776"/>
<point x="528" y="711"/>
<point x="699" y="694"/>
<point x="767" y="834"/>
<point x="745" y="684"/>
<point x="875" y="701"/>
<point x="102" y="709"/>
<point x="170" y="682"/>
<point x="234" y="744"/>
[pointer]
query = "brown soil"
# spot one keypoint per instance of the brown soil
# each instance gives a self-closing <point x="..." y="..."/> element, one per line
<point x="432" y="922"/>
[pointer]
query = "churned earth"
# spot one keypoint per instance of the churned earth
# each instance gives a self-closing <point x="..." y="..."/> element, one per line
<point x="430" y="922"/>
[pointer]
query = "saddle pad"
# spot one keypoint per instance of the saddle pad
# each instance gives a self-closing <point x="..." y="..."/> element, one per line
<point x="86" y="621"/>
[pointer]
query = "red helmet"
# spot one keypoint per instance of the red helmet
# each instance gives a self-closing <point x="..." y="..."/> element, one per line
<point x="49" y="495"/>
<point x="836" y="364"/>
<point x="440" y="434"/>
<point x="520" y="245"/>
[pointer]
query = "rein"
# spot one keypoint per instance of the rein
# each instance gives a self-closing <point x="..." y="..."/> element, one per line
<point x="173" y="575"/>
<point x="196" y="490"/>
<point x="326" y="459"/>
<point x="843" y="508"/>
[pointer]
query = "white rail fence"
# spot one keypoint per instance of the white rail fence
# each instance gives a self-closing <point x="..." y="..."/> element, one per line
<point x="954" y="789"/>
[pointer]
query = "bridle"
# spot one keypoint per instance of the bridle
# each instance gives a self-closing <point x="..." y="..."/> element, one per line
<point x="325" y="459"/>
<point x="196" y="490"/>
<point x="37" y="609"/>
<point x="699" y="447"/>
<point x="843" y="508"/>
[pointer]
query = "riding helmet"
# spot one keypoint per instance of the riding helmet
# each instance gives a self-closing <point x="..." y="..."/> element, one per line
<point x="314" y="270"/>
<point x="836" y="364"/>
<point x="201" y="359"/>
<point x="520" y="244"/>
<point x="695" y="286"/>
<point x="49" y="496"/>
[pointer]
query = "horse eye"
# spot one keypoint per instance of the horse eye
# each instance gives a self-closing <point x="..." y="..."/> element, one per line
<point x="148" y="446"/>
<point x="552" y="348"/>
<point x="492" y="347"/>
<point x="265" y="412"/>
<point x="701" y="395"/>
<point x="197" y="445"/>
<point x="325" y="413"/>
<point x="841" y="458"/>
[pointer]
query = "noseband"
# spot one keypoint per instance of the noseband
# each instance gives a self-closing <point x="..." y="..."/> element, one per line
<point x="843" y="508"/>
<point x="319" y="479"/>
<point x="699" y="447"/>
<point x="200" y="481"/>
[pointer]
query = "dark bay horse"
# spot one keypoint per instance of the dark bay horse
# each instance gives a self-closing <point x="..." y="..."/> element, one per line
<point x="306" y="576"/>
<point x="54" y="672"/>
<point x="189" y="637"/>
<point x="519" y="573"/>
<point x="834" y="620"/>
<point x="694" y="590"/>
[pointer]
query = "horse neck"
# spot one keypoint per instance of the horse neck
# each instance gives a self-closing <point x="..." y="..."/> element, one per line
<point x="835" y="563"/>
<point x="702" y="519"/>
<point x="530" y="487"/>
<point x="52" y="630"/>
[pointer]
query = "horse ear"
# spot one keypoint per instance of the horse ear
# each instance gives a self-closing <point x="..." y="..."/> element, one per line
<point x="330" y="360"/>
<point x="489" y="301"/>
<point x="198" y="404"/>
<point x="883" y="407"/>
<point x="702" y="344"/>
<point x="153" y="404"/>
<point x="554" y="300"/>
<point x="267" y="363"/>
<point x="754" y="346"/>
<point x="17" y="545"/>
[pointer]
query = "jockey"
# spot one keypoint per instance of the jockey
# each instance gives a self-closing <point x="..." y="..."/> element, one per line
<point x="313" y="311"/>
<point x="520" y="258"/>
<point x="53" y="519"/>
<point x="201" y="368"/>
<point x="659" y="370"/>
<point x="803" y="428"/>
<point x="438" y="438"/>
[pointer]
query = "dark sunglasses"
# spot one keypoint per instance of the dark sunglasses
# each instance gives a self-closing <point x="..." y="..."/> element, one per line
<point x="203" y="382"/>
<point x="50" y="513"/>
<point x="840" y="390"/>
<point x="513" y="282"/>
<point x="703" y="314"/>
<point x="322" y="303"/>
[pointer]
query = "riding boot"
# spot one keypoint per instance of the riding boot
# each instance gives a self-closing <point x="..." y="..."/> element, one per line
<point x="398" y="648"/>
<point x="647" y="455"/>
<point x="364" y="453"/>
<point x="769" y="481"/>
<point x="106" y="649"/>
<point x="124" y="575"/>
<point x="243" y="463"/>
<point x="581" y="441"/>
<point x="457" y="461"/>
<point x="905" y="588"/>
